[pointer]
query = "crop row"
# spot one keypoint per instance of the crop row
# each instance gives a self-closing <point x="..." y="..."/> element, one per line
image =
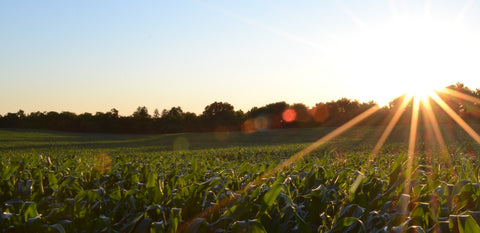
<point x="231" y="190"/>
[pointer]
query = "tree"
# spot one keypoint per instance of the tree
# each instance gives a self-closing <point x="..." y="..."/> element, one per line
<point x="141" y="113"/>
<point x="156" y="114"/>
<point x="342" y="110"/>
<point x="21" y="114"/>
<point x="217" y="109"/>
<point x="172" y="120"/>
<point x="461" y="106"/>
<point x="302" y="113"/>
<point x="173" y="113"/>
<point x="273" y="112"/>
<point x="67" y="121"/>
<point x="11" y="120"/>
<point x="114" y="112"/>
<point x="320" y="112"/>
<point x="220" y="114"/>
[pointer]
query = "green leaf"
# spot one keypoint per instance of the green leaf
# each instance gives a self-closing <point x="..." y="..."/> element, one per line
<point x="5" y="215"/>
<point x="194" y="165"/>
<point x="115" y="193"/>
<point x="58" y="227"/>
<point x="356" y="183"/>
<point x="175" y="218"/>
<point x="34" y="223"/>
<point x="31" y="211"/>
<point x="347" y="221"/>
<point x="52" y="181"/>
<point x="143" y="226"/>
<point x="303" y="226"/>
<point x="152" y="180"/>
<point x="252" y="225"/>
<point x="415" y="229"/>
<point x="158" y="227"/>
<point x="272" y="194"/>
<point x="466" y="224"/>
<point x="8" y="172"/>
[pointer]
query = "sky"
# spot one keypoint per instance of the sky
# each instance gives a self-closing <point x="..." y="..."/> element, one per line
<point x="89" y="56"/>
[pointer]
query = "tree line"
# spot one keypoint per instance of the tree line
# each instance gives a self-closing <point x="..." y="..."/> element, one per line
<point x="222" y="116"/>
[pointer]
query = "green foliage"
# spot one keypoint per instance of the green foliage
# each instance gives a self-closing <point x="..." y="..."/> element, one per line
<point x="146" y="189"/>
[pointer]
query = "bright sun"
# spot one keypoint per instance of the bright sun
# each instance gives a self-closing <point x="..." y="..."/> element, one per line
<point x="420" y="92"/>
<point x="408" y="55"/>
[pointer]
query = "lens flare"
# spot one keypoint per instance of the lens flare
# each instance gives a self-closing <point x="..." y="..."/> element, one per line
<point x="102" y="163"/>
<point x="289" y="115"/>
<point x="261" y="123"/>
<point x="320" y="112"/>
<point x="248" y="127"/>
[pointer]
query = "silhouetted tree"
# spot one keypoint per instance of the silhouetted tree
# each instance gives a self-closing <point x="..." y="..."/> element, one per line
<point x="173" y="113"/>
<point x="273" y="112"/>
<point x="141" y="122"/>
<point x="141" y="113"/>
<point x="222" y="116"/>
<point x="319" y="113"/>
<point x="21" y="114"/>
<point x="114" y="113"/>
<point x="219" y="114"/>
<point x="156" y="114"/>
<point x="11" y="120"/>
<point x="191" y="122"/>
<point x="302" y="115"/>
<point x="172" y="120"/>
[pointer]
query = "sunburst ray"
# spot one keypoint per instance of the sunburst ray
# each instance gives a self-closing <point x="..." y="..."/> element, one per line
<point x="411" y="151"/>
<point x="326" y="138"/>
<point x="456" y="117"/>
<point x="432" y="120"/>
<point x="412" y="140"/>
<point x="460" y="95"/>
<point x="390" y="126"/>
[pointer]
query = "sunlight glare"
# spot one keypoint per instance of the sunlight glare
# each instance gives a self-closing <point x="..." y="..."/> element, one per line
<point x="391" y="124"/>
<point x="413" y="55"/>
<point x="411" y="152"/>
<point x="456" y="118"/>
<point x="432" y="121"/>
<point x="420" y="91"/>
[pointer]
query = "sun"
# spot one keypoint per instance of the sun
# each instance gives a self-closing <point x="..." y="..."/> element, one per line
<point x="413" y="55"/>
<point x="421" y="92"/>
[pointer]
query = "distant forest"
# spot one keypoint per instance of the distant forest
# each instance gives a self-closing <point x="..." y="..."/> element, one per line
<point x="221" y="116"/>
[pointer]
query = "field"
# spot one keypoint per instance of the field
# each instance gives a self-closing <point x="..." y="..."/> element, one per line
<point x="229" y="182"/>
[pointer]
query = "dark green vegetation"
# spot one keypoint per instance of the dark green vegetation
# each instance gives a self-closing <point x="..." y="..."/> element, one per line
<point x="221" y="116"/>
<point x="66" y="182"/>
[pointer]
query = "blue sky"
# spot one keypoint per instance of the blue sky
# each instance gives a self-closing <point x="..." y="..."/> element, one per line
<point x="88" y="56"/>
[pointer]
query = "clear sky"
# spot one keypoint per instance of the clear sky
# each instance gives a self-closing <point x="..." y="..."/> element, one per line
<point x="89" y="56"/>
